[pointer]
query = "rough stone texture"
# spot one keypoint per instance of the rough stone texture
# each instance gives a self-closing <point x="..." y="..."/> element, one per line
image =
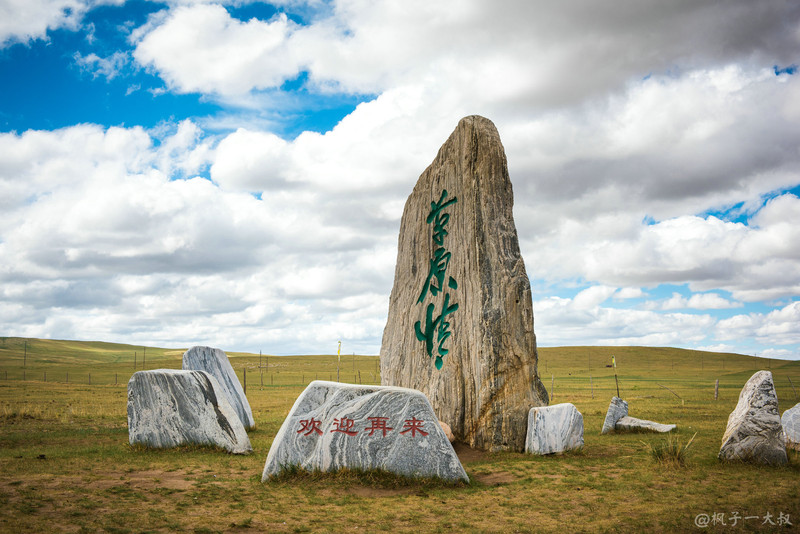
<point x="616" y="411"/>
<point x="754" y="432"/>
<point x="790" y="420"/>
<point x="488" y="379"/>
<point x="333" y="426"/>
<point x="169" y="407"/>
<point x="554" y="429"/>
<point x="631" y="424"/>
<point x="215" y="362"/>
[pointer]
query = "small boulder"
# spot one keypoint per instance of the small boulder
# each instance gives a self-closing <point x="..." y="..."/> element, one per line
<point x="169" y="407"/>
<point x="754" y="432"/>
<point x="616" y="411"/>
<point x="215" y="362"/>
<point x="791" y="427"/>
<point x="631" y="424"/>
<point x="447" y="431"/>
<point x="554" y="429"/>
<point x="333" y="426"/>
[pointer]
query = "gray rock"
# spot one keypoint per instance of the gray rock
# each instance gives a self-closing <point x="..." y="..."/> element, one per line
<point x="790" y="420"/>
<point x="460" y="322"/>
<point x="616" y="411"/>
<point x="554" y="429"/>
<point x="754" y="432"/>
<point x="169" y="407"/>
<point x="631" y="424"/>
<point x="215" y="362"/>
<point x="333" y="426"/>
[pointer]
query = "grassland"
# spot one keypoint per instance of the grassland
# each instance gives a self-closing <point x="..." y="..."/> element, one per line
<point x="66" y="466"/>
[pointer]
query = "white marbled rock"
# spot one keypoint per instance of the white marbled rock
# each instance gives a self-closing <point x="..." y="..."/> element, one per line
<point x="754" y="432"/>
<point x="554" y="429"/>
<point x="333" y="426"/>
<point x="616" y="411"/>
<point x="790" y="420"/>
<point x="631" y="424"/>
<point x="170" y="407"/>
<point x="215" y="362"/>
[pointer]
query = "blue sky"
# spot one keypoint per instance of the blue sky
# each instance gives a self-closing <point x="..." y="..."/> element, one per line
<point x="232" y="173"/>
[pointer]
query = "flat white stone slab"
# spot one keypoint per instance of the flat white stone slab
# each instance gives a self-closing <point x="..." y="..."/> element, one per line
<point x="790" y="420"/>
<point x="333" y="426"/>
<point x="631" y="424"/>
<point x="754" y="432"/>
<point x="554" y="429"/>
<point x="216" y="363"/>
<point x="170" y="407"/>
<point x="616" y="411"/>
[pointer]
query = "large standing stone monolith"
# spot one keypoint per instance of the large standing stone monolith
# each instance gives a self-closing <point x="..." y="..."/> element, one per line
<point x="460" y="325"/>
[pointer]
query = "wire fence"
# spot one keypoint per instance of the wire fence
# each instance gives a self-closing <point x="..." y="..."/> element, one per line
<point x="248" y="378"/>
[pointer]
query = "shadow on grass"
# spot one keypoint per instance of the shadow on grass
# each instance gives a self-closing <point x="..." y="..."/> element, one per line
<point x="374" y="478"/>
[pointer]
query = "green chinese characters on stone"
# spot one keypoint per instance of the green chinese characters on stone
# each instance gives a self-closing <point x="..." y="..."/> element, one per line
<point x="437" y="329"/>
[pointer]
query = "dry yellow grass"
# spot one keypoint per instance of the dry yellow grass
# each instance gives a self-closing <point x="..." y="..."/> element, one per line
<point x="66" y="466"/>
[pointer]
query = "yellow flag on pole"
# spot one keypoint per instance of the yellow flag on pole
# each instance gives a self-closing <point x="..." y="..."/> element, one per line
<point x="613" y="361"/>
<point x="339" y="351"/>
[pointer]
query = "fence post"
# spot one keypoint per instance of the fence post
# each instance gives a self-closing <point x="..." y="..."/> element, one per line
<point x="90" y="379"/>
<point x="716" y="389"/>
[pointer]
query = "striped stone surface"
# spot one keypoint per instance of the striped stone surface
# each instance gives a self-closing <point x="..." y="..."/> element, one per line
<point x="333" y="426"/>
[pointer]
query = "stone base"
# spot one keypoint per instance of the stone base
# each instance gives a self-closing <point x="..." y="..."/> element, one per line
<point x="631" y="424"/>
